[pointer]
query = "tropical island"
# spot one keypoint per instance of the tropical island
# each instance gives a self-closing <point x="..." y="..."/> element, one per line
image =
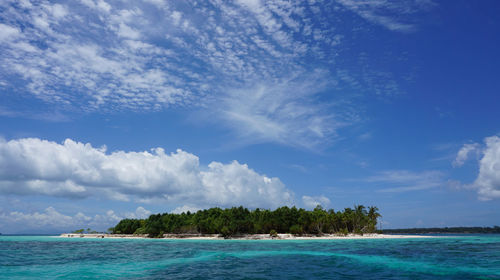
<point x="240" y="222"/>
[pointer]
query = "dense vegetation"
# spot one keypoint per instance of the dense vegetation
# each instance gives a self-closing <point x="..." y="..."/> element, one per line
<point x="240" y="220"/>
<point x="495" y="229"/>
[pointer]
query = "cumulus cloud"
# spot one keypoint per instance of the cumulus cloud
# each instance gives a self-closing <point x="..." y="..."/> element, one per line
<point x="48" y="218"/>
<point x="185" y="209"/>
<point x="140" y="213"/>
<point x="313" y="201"/>
<point x="487" y="182"/>
<point x="464" y="152"/>
<point x="77" y="170"/>
<point x="488" y="179"/>
<point x="52" y="220"/>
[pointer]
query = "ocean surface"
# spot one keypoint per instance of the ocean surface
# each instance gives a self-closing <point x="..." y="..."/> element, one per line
<point x="452" y="257"/>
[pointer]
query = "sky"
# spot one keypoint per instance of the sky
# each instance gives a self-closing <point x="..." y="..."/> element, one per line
<point x="120" y="109"/>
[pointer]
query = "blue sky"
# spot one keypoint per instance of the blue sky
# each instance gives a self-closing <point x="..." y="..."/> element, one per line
<point x="113" y="109"/>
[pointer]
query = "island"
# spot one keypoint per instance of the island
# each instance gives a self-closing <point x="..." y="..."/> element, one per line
<point x="241" y="223"/>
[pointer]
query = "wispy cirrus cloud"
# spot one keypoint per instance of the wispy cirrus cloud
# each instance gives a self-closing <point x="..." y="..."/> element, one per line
<point x="288" y="113"/>
<point x="404" y="180"/>
<point x="47" y="116"/>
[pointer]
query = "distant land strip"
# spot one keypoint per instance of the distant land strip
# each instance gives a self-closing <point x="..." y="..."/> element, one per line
<point x="494" y="229"/>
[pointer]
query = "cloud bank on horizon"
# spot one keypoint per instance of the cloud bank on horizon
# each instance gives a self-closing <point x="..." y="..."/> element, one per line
<point x="32" y="166"/>
<point x="51" y="221"/>
<point x="78" y="170"/>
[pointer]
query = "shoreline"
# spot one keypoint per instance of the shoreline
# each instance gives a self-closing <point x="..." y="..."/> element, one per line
<point x="281" y="236"/>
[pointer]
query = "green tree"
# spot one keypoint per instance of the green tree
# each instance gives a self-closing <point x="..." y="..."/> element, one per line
<point x="225" y="232"/>
<point x="373" y="216"/>
<point x="319" y="219"/>
<point x="296" y="230"/>
<point x="127" y="226"/>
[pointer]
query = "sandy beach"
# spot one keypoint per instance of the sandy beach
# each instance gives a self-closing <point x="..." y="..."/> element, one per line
<point x="244" y="237"/>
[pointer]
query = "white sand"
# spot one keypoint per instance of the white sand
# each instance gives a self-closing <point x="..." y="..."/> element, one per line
<point x="245" y="237"/>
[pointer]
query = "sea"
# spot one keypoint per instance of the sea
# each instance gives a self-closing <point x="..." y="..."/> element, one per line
<point x="442" y="257"/>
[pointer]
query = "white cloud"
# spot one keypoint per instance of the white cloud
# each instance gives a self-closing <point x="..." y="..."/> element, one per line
<point x="29" y="114"/>
<point x="176" y="17"/>
<point x="74" y="169"/>
<point x="388" y="13"/>
<point x="85" y="70"/>
<point x="48" y="218"/>
<point x="285" y="113"/>
<point x="52" y="220"/>
<point x="115" y="55"/>
<point x="140" y="213"/>
<point x="128" y="32"/>
<point x="58" y="11"/>
<point x="8" y="32"/>
<point x="236" y="184"/>
<point x="313" y="201"/>
<point x="116" y="59"/>
<point x="99" y="5"/>
<point x="464" y="153"/>
<point x="185" y="209"/>
<point x="404" y="180"/>
<point x="162" y="4"/>
<point x="488" y="180"/>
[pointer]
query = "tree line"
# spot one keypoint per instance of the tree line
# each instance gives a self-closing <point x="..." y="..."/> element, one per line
<point x="240" y="220"/>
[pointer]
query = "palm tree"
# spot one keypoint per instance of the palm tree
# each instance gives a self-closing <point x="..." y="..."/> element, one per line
<point x="360" y="213"/>
<point x="373" y="215"/>
<point x="348" y="219"/>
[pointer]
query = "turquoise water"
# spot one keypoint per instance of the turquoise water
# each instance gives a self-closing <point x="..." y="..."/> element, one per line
<point x="454" y="257"/>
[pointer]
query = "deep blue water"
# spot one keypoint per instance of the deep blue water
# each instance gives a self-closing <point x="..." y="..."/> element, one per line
<point x="454" y="257"/>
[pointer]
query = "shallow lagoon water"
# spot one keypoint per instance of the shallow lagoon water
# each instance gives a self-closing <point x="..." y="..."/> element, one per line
<point x="451" y="257"/>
